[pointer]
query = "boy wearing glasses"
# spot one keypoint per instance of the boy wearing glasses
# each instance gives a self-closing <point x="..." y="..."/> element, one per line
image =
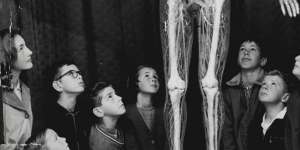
<point x="62" y="116"/>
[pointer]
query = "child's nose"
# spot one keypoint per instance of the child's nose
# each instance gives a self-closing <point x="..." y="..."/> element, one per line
<point x="246" y="52"/>
<point x="119" y="98"/>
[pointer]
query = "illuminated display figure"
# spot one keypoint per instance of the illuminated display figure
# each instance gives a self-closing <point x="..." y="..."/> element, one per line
<point x="177" y="29"/>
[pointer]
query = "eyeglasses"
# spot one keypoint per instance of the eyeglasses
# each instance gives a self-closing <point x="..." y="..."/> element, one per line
<point x="73" y="73"/>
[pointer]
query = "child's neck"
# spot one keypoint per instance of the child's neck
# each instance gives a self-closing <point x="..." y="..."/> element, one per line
<point x="108" y="123"/>
<point x="68" y="101"/>
<point x="144" y="100"/>
<point x="272" y="110"/>
<point x="251" y="76"/>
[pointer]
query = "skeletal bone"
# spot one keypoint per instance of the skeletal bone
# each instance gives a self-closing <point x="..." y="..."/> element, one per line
<point x="177" y="37"/>
<point x="210" y="84"/>
<point x="176" y="86"/>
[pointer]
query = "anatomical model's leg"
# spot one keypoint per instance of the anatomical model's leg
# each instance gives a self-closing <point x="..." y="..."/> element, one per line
<point x="176" y="33"/>
<point x="213" y="29"/>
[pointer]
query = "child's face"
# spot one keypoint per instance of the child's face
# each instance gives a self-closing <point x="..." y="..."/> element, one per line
<point x="70" y="80"/>
<point x="249" y="55"/>
<point x="272" y="89"/>
<point x="23" y="61"/>
<point x="112" y="104"/>
<point x="54" y="142"/>
<point x="148" y="80"/>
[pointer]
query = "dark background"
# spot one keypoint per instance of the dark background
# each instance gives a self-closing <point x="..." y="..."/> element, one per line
<point x="110" y="38"/>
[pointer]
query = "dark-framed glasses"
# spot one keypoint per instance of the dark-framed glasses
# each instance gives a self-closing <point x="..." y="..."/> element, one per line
<point x="73" y="73"/>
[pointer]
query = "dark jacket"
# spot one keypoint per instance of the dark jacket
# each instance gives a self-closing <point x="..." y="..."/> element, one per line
<point x="292" y="135"/>
<point x="273" y="138"/>
<point x="68" y="125"/>
<point x="291" y="124"/>
<point x="237" y="116"/>
<point x="147" y="139"/>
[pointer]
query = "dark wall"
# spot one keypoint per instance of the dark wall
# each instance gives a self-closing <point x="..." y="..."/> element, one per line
<point x="110" y="38"/>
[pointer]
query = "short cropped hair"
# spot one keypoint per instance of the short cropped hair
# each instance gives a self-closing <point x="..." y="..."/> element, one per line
<point x="97" y="88"/>
<point x="282" y="76"/>
<point x="55" y="69"/>
<point x="52" y="72"/>
<point x="259" y="45"/>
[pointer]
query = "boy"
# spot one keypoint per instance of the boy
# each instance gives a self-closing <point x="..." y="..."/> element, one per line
<point x="62" y="116"/>
<point x="240" y="94"/>
<point x="108" y="107"/>
<point x="269" y="131"/>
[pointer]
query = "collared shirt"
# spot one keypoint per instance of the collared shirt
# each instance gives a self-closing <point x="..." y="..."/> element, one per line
<point x="266" y="124"/>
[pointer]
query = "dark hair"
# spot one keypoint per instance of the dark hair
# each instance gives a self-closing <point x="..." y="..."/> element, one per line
<point x="55" y="69"/>
<point x="259" y="45"/>
<point x="139" y="68"/>
<point x="52" y="72"/>
<point x="98" y="87"/>
<point x="282" y="76"/>
<point x="7" y="41"/>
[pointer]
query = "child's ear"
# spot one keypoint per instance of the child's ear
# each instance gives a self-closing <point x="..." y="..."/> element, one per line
<point x="263" y="61"/>
<point x="57" y="86"/>
<point x="97" y="111"/>
<point x="285" y="97"/>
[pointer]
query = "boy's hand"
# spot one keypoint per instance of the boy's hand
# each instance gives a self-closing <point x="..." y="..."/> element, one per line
<point x="290" y="7"/>
<point x="296" y="70"/>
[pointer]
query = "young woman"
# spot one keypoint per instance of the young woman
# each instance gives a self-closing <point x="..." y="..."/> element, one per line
<point x="17" y="112"/>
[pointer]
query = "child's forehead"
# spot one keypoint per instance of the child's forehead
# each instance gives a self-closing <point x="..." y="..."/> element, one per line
<point x="275" y="78"/>
<point x="66" y="68"/>
<point x="147" y="70"/>
<point x="249" y="44"/>
<point x="106" y="91"/>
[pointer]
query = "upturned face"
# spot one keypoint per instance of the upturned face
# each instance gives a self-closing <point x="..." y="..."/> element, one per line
<point x="23" y="60"/>
<point x="69" y="80"/>
<point x="249" y="55"/>
<point x="272" y="90"/>
<point x="111" y="103"/>
<point x="54" y="142"/>
<point x="148" y="81"/>
<point x="296" y="69"/>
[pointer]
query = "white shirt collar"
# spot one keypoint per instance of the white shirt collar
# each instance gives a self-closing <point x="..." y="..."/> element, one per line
<point x="266" y="124"/>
